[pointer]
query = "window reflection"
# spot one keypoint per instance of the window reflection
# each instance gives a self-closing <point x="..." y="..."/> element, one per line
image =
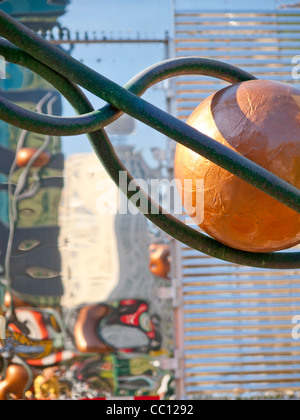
<point x="76" y="276"/>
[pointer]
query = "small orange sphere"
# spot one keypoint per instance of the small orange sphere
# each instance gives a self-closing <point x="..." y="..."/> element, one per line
<point x="26" y="153"/>
<point x="260" y="120"/>
<point x="160" y="260"/>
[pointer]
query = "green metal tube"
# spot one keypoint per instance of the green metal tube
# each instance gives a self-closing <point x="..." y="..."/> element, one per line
<point x="168" y="223"/>
<point x="128" y="102"/>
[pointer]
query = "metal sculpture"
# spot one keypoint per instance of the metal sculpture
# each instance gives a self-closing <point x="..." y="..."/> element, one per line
<point x="66" y="74"/>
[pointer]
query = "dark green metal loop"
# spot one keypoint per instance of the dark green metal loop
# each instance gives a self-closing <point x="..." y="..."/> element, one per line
<point x="138" y="108"/>
<point x="93" y="121"/>
<point x="54" y="71"/>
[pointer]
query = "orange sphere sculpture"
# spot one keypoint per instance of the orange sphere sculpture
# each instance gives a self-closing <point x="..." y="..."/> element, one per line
<point x="260" y="120"/>
<point x="160" y="260"/>
<point x="26" y="153"/>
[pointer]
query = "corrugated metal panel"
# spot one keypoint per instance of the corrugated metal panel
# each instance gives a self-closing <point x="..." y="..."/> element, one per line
<point x="237" y="320"/>
<point x="238" y="327"/>
<point x="261" y="43"/>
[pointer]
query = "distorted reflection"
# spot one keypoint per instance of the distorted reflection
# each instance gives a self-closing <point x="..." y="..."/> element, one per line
<point x="83" y="317"/>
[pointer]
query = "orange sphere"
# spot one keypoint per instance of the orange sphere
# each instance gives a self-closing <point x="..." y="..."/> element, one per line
<point x="26" y="153"/>
<point x="260" y="120"/>
<point x="160" y="260"/>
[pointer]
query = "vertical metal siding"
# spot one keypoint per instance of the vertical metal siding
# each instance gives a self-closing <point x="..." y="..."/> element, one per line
<point x="260" y="43"/>
<point x="237" y="320"/>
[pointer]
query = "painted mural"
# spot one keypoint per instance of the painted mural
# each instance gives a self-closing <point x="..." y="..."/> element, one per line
<point x="83" y="319"/>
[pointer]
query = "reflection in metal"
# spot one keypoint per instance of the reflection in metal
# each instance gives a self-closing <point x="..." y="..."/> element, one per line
<point x="125" y="126"/>
<point x="131" y="328"/>
<point x="99" y="245"/>
<point x="25" y="154"/>
<point x="126" y="101"/>
<point x="59" y="35"/>
<point x="14" y="383"/>
<point x="85" y="332"/>
<point x="30" y="208"/>
<point x="160" y="260"/>
<point x="36" y="14"/>
<point x="124" y="326"/>
<point x="41" y="273"/>
<point x="28" y="244"/>
<point x="29" y="230"/>
<point x="138" y="373"/>
<point x="48" y="334"/>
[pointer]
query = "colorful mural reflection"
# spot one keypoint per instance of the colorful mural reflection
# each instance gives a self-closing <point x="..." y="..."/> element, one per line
<point x="79" y="283"/>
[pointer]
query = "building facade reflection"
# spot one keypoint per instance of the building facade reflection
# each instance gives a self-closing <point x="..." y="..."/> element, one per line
<point x="75" y="274"/>
<point x="31" y="189"/>
<point x="105" y="254"/>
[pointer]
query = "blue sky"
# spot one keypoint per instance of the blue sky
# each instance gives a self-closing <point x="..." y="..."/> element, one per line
<point x="151" y="18"/>
<point x="120" y="15"/>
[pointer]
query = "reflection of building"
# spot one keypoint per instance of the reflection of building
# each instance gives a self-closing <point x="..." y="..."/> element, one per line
<point x="87" y="242"/>
<point x="29" y="200"/>
<point x="36" y="14"/>
<point x="105" y="255"/>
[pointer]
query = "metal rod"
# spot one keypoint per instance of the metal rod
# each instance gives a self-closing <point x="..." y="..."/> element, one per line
<point x="62" y="71"/>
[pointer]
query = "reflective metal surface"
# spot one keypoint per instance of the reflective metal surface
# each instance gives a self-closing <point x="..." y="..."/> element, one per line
<point x="76" y="290"/>
<point x="78" y="281"/>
